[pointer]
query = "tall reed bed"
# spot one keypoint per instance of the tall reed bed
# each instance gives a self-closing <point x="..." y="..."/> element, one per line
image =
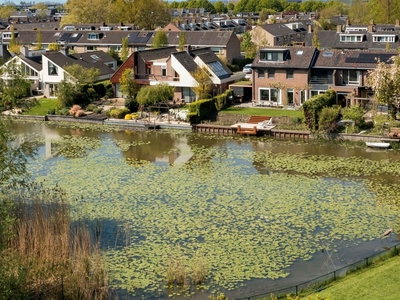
<point x="47" y="248"/>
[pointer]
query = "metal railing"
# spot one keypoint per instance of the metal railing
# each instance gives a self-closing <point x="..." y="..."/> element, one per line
<point x="319" y="283"/>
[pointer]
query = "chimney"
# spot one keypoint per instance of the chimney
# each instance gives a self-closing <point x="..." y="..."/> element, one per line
<point x="188" y="49"/>
<point x="339" y="28"/>
<point x="65" y="50"/>
<point x="397" y="23"/>
<point x="371" y="22"/>
<point x="370" y="28"/>
<point x="347" y="22"/>
<point x="309" y="28"/>
<point x="24" y="51"/>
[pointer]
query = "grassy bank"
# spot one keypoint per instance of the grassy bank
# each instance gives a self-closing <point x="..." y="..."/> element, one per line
<point x="376" y="282"/>
<point x="263" y="112"/>
<point x="45" y="104"/>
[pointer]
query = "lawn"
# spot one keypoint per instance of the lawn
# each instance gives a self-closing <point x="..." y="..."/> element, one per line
<point x="45" y="104"/>
<point x="379" y="282"/>
<point x="263" y="112"/>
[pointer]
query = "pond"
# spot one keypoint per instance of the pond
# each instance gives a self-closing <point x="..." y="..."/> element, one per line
<point x="238" y="215"/>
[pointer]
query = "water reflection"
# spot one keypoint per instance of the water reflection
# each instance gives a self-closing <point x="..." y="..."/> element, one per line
<point x="162" y="209"/>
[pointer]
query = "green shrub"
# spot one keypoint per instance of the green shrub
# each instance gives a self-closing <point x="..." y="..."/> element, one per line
<point x="118" y="113"/>
<point x="354" y="113"/>
<point x="98" y="110"/>
<point x="51" y="111"/>
<point x="63" y="112"/>
<point x="91" y="107"/>
<point x="328" y="118"/>
<point x="131" y="104"/>
<point x="313" y="107"/>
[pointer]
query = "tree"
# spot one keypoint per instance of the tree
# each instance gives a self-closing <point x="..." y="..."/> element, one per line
<point x="114" y="54"/>
<point x="39" y="40"/>
<point x="153" y="94"/>
<point x="14" y="154"/>
<point x="6" y="11"/>
<point x="94" y="11"/>
<point x="124" y="49"/>
<point x="315" y="41"/>
<point x="147" y="14"/>
<point x="384" y="80"/>
<point x="54" y="47"/>
<point x="203" y="83"/>
<point x="15" y="88"/>
<point x="182" y="40"/>
<point x="128" y="85"/>
<point x="82" y="75"/>
<point x="220" y="7"/>
<point x="13" y="46"/>
<point x="264" y="14"/>
<point x="248" y="46"/>
<point x="384" y="11"/>
<point x="231" y="6"/>
<point x="160" y="39"/>
<point x="66" y="94"/>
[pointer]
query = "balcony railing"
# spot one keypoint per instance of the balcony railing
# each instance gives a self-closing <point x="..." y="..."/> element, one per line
<point x="321" y="81"/>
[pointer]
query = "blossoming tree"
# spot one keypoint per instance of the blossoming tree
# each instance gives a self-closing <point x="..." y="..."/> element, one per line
<point x="384" y="80"/>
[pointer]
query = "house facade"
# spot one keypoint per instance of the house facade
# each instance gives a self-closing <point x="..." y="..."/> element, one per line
<point x="175" y="68"/>
<point x="103" y="37"/>
<point x="46" y="69"/>
<point x="291" y="75"/>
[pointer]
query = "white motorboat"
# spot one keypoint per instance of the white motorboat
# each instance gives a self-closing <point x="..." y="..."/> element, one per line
<point x="378" y="145"/>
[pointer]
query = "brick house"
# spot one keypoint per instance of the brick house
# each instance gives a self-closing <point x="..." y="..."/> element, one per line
<point x="291" y="75"/>
<point x="281" y="74"/>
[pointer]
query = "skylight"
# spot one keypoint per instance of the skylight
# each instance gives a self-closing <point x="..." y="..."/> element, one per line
<point x="218" y="69"/>
<point x="299" y="52"/>
<point x="327" y="54"/>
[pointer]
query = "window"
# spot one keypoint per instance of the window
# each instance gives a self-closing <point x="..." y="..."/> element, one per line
<point x="270" y="95"/>
<point x="52" y="69"/>
<point x="93" y="36"/>
<point x="115" y="48"/>
<point x="351" y="38"/>
<point x="271" y="73"/>
<point x="382" y="38"/>
<point x="28" y="71"/>
<point x="290" y="96"/>
<point x="163" y="71"/>
<point x="289" y="73"/>
<point x="302" y="96"/>
<point x="261" y="73"/>
<point x="316" y="92"/>
<point x="351" y="77"/>
<point x="271" y="56"/>
<point x="91" y="48"/>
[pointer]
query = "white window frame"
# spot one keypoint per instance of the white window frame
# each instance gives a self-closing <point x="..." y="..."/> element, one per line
<point x="318" y="92"/>
<point x="351" y="38"/>
<point x="93" y="36"/>
<point x="279" y="97"/>
<point x="382" y="38"/>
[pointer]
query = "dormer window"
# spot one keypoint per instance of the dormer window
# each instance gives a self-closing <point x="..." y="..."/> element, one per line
<point x="272" y="55"/>
<point x="383" y="38"/>
<point x="93" y="36"/>
<point x="351" y="37"/>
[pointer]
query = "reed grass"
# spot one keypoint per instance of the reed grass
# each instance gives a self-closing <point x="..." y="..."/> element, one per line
<point x="49" y="246"/>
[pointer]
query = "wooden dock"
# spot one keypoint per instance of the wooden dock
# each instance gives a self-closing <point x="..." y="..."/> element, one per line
<point x="214" y="129"/>
<point x="229" y="130"/>
<point x="291" y="134"/>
